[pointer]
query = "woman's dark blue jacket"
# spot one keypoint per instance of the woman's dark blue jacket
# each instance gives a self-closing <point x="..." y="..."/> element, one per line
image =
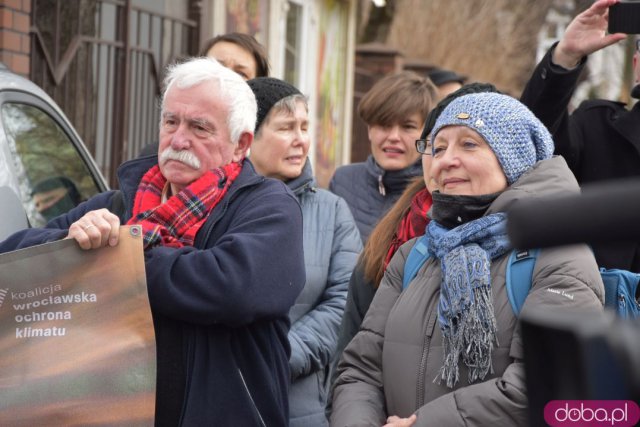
<point x="220" y="307"/>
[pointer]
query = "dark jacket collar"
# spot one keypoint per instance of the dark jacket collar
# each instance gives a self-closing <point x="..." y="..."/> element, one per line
<point x="393" y="181"/>
<point x="130" y="174"/>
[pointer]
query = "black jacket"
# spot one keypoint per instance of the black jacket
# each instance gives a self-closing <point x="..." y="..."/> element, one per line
<point x="600" y="141"/>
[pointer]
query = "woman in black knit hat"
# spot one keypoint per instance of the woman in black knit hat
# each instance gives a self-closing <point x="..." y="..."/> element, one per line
<point x="331" y="244"/>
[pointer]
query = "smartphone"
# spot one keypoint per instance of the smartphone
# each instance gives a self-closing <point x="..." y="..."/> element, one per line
<point x="624" y="17"/>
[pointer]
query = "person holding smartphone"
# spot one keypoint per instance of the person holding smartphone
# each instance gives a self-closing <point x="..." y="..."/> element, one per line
<point x="600" y="140"/>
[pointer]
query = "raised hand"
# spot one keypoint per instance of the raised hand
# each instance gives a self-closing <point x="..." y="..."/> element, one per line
<point x="586" y="34"/>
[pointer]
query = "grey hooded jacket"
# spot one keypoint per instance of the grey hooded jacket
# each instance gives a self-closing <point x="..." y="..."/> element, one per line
<point x="331" y="246"/>
<point x="389" y="367"/>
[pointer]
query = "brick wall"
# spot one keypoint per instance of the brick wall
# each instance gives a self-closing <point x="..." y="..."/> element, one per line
<point x="15" y="42"/>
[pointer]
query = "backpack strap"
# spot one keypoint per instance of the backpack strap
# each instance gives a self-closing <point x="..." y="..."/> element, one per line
<point x="519" y="276"/>
<point x="417" y="256"/>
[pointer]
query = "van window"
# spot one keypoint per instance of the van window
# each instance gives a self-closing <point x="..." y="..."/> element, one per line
<point x="52" y="176"/>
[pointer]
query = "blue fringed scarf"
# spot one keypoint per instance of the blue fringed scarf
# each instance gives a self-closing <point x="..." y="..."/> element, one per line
<point x="465" y="310"/>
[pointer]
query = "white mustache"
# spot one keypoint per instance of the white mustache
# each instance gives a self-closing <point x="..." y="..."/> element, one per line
<point x="183" y="156"/>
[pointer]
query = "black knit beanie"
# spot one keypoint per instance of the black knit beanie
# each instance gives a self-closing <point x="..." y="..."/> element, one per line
<point x="268" y="91"/>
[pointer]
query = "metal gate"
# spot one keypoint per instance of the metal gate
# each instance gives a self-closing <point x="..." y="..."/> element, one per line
<point x="102" y="62"/>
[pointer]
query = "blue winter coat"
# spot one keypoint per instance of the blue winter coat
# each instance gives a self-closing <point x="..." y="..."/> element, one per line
<point x="331" y="247"/>
<point x="370" y="191"/>
<point x="220" y="307"/>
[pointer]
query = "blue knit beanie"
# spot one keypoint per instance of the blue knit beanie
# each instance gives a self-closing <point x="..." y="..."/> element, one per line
<point x="513" y="132"/>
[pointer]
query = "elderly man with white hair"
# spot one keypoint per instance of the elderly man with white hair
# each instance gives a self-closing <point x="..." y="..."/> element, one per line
<point x="223" y="253"/>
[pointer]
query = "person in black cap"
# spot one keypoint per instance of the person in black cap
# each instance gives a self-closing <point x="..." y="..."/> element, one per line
<point x="446" y="81"/>
<point x="331" y="245"/>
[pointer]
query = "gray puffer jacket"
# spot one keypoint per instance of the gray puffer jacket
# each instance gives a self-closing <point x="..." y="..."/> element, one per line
<point x="370" y="191"/>
<point x="389" y="367"/>
<point x="331" y="247"/>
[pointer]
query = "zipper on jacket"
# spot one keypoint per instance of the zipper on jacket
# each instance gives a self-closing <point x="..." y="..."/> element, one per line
<point x="420" y="388"/>
<point x="421" y="372"/>
<point x="253" y="403"/>
<point x="381" y="188"/>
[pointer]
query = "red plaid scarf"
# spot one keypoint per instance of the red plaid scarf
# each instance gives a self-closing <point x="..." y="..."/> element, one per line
<point x="176" y="222"/>
<point x="413" y="224"/>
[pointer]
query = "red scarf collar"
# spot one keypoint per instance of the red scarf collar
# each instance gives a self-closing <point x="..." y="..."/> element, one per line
<point x="176" y="222"/>
<point x="412" y="224"/>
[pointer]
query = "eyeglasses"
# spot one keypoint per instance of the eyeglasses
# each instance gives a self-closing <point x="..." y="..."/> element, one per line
<point x="423" y="146"/>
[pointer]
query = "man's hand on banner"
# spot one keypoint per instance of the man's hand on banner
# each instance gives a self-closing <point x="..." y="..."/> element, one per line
<point x="95" y="229"/>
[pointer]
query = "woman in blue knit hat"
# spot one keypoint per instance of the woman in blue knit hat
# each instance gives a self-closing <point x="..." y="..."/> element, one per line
<point x="445" y="350"/>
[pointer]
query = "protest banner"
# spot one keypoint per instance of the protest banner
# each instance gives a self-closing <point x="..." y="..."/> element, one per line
<point x="77" y="344"/>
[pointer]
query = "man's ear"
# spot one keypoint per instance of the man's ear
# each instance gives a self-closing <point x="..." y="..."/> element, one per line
<point x="242" y="148"/>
